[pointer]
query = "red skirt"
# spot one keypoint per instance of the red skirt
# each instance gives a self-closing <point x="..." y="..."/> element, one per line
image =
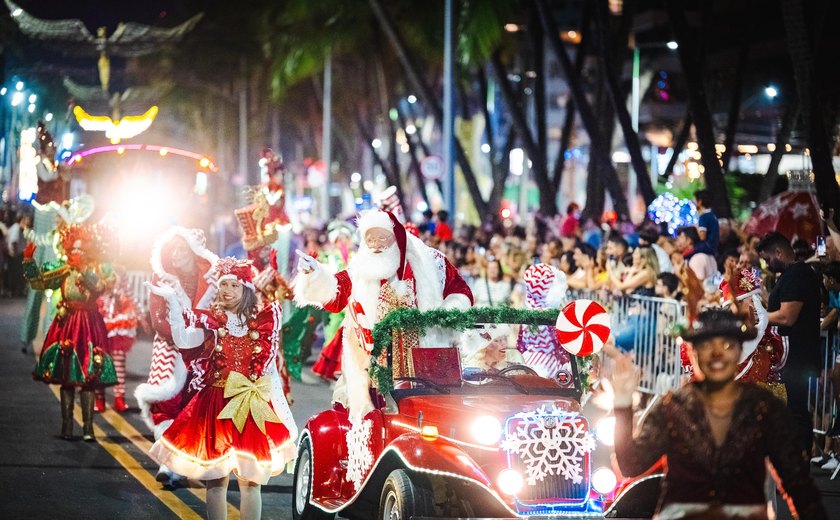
<point x="329" y="363"/>
<point x="71" y="343"/>
<point x="198" y="445"/>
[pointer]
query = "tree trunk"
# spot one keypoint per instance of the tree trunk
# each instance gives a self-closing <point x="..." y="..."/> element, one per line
<point x="771" y="178"/>
<point x="599" y="149"/>
<point x="569" y="121"/>
<point x="595" y="197"/>
<point x="415" y="162"/>
<point x="688" y="52"/>
<point x="548" y="202"/>
<point x="424" y="90"/>
<point x="618" y="97"/>
<point x="799" y="44"/>
<point x="538" y="48"/>
<point x="679" y="144"/>
<point x="498" y="161"/>
<point x="735" y="104"/>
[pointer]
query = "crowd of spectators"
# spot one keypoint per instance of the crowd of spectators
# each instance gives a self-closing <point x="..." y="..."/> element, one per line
<point x="15" y="226"/>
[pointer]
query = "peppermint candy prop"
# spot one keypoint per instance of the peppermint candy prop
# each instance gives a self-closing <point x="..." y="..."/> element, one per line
<point x="361" y="326"/>
<point x="583" y="327"/>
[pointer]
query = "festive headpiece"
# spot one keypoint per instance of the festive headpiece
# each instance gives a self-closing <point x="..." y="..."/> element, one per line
<point x="375" y="218"/>
<point x="718" y="323"/>
<point x="339" y="228"/>
<point x="747" y="283"/>
<point x="474" y="340"/>
<point x="72" y="233"/>
<point x="230" y="268"/>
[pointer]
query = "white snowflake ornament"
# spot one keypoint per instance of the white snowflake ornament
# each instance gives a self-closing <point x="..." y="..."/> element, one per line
<point x="359" y="455"/>
<point x="550" y="442"/>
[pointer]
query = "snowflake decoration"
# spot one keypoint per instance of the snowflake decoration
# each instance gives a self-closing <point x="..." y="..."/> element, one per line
<point x="359" y="457"/>
<point x="550" y="442"/>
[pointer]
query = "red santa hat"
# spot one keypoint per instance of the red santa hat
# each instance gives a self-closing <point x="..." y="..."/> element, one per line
<point x="386" y="220"/>
<point x="230" y="268"/>
<point x="746" y="283"/>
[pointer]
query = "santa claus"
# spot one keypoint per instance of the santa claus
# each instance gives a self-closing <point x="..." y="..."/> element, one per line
<point x="391" y="270"/>
<point x="179" y="260"/>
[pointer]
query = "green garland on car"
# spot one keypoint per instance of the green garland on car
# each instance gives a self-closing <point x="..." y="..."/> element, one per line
<point x="413" y="319"/>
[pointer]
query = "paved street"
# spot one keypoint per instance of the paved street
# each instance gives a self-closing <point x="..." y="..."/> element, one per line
<point x="44" y="477"/>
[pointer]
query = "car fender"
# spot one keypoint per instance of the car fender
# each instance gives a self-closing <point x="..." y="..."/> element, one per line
<point x="437" y="456"/>
<point x="326" y="432"/>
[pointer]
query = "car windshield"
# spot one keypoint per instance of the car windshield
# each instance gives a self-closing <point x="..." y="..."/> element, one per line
<point x="489" y="358"/>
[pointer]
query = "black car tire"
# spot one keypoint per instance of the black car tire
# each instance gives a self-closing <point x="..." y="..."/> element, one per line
<point x="302" y="488"/>
<point x="405" y="496"/>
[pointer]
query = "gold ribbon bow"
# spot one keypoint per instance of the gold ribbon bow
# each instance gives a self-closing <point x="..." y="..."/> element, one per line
<point x="248" y="397"/>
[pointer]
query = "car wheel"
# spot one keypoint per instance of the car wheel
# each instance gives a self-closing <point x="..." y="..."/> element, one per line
<point x="302" y="489"/>
<point x="405" y="496"/>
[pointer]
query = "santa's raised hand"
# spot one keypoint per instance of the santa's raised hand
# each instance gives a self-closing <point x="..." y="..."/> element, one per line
<point x="306" y="264"/>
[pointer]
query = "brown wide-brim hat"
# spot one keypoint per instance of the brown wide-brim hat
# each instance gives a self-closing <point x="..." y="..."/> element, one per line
<point x="719" y="323"/>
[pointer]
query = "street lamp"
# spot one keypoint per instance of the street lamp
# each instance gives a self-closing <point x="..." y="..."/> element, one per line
<point x="672" y="45"/>
<point x="17" y="99"/>
<point x="19" y="86"/>
<point x="771" y="92"/>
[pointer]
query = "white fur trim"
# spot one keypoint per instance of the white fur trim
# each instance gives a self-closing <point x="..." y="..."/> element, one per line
<point x="748" y="347"/>
<point x="427" y="280"/>
<point x="249" y="285"/>
<point x="457" y="301"/>
<point x="354" y="365"/>
<point x="557" y="292"/>
<point x="317" y="288"/>
<point x="147" y="394"/>
<point x="373" y="218"/>
<point x="159" y="429"/>
<point x="195" y="247"/>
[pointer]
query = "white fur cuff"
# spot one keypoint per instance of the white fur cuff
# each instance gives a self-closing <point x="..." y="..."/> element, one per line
<point x="457" y="301"/>
<point x="317" y="288"/>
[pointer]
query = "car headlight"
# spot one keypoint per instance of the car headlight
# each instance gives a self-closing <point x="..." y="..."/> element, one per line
<point x="605" y="430"/>
<point x="603" y="480"/>
<point x="487" y="430"/>
<point x="510" y="481"/>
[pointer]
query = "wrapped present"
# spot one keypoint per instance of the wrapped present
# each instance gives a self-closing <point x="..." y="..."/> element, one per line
<point x="257" y="230"/>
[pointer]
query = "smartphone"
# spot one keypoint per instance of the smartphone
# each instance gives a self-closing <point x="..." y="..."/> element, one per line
<point x="820" y="246"/>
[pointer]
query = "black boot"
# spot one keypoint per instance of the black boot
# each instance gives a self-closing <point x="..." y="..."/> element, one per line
<point x="68" y="398"/>
<point x="87" y="415"/>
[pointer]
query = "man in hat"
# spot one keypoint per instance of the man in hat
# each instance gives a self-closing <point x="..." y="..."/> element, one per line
<point x="391" y="270"/>
<point x="179" y="260"/>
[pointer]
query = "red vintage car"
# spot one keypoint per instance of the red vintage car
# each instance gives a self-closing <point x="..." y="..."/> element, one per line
<point x="455" y="441"/>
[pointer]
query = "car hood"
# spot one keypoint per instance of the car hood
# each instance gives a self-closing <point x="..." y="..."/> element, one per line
<point x="457" y="408"/>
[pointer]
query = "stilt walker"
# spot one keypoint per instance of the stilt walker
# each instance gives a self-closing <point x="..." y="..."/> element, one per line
<point x="74" y="353"/>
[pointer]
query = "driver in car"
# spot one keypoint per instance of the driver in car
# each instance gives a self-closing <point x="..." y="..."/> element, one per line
<point x="488" y="350"/>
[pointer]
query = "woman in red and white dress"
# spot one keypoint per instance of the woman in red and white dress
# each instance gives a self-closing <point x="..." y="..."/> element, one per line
<point x="239" y="421"/>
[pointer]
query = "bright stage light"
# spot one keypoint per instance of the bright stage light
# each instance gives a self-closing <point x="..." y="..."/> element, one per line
<point x="603" y="480"/>
<point x="673" y="45"/>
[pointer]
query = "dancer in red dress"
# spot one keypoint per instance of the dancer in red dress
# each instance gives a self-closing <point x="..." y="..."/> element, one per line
<point x="74" y="352"/>
<point x="119" y="311"/>
<point x="239" y="420"/>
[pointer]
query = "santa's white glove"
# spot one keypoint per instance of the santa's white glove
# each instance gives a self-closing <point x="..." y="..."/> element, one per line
<point x="306" y="264"/>
<point x="166" y="291"/>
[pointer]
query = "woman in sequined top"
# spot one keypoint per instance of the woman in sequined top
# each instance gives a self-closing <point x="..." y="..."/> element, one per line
<point x="715" y="435"/>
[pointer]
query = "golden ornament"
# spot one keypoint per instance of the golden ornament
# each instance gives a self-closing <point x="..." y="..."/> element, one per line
<point x="257" y="350"/>
<point x="254" y="335"/>
<point x="222" y="332"/>
<point x="253" y="377"/>
<point x="218" y="348"/>
<point x="97" y="359"/>
<point x="62" y="311"/>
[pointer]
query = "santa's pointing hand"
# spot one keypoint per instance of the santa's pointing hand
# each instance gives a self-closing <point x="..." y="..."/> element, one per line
<point x="306" y="264"/>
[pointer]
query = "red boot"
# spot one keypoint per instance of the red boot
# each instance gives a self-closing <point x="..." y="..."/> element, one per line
<point x="119" y="404"/>
<point x="99" y="404"/>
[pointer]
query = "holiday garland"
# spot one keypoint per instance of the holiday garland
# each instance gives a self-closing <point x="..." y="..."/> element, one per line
<point x="413" y="319"/>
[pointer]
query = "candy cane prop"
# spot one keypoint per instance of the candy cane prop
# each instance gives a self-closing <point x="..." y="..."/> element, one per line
<point x="583" y="327"/>
<point x="361" y="326"/>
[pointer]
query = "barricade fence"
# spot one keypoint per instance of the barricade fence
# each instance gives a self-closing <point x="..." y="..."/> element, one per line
<point x="821" y="395"/>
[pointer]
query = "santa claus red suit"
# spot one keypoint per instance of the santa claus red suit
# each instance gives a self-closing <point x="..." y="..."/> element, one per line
<point x="391" y="270"/>
<point x="179" y="260"/>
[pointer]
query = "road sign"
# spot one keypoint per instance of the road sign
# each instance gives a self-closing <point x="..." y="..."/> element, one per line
<point x="432" y="168"/>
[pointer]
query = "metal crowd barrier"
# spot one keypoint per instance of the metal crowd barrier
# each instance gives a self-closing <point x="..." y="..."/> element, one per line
<point x="137" y="287"/>
<point x="820" y="396"/>
<point x="648" y="321"/>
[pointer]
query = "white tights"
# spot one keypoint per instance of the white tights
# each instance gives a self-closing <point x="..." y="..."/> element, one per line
<point x="250" y="502"/>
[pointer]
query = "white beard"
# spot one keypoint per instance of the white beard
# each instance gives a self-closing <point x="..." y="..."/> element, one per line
<point x="368" y="266"/>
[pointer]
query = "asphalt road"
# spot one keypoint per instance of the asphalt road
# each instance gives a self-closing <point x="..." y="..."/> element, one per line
<point x="44" y="477"/>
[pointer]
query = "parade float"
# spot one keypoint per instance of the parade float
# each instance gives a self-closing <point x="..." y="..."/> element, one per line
<point x="452" y="440"/>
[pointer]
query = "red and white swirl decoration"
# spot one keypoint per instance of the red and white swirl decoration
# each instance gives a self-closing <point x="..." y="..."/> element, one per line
<point x="583" y="327"/>
<point x="361" y="325"/>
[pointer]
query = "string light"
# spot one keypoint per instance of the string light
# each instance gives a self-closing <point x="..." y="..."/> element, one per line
<point x="674" y="212"/>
